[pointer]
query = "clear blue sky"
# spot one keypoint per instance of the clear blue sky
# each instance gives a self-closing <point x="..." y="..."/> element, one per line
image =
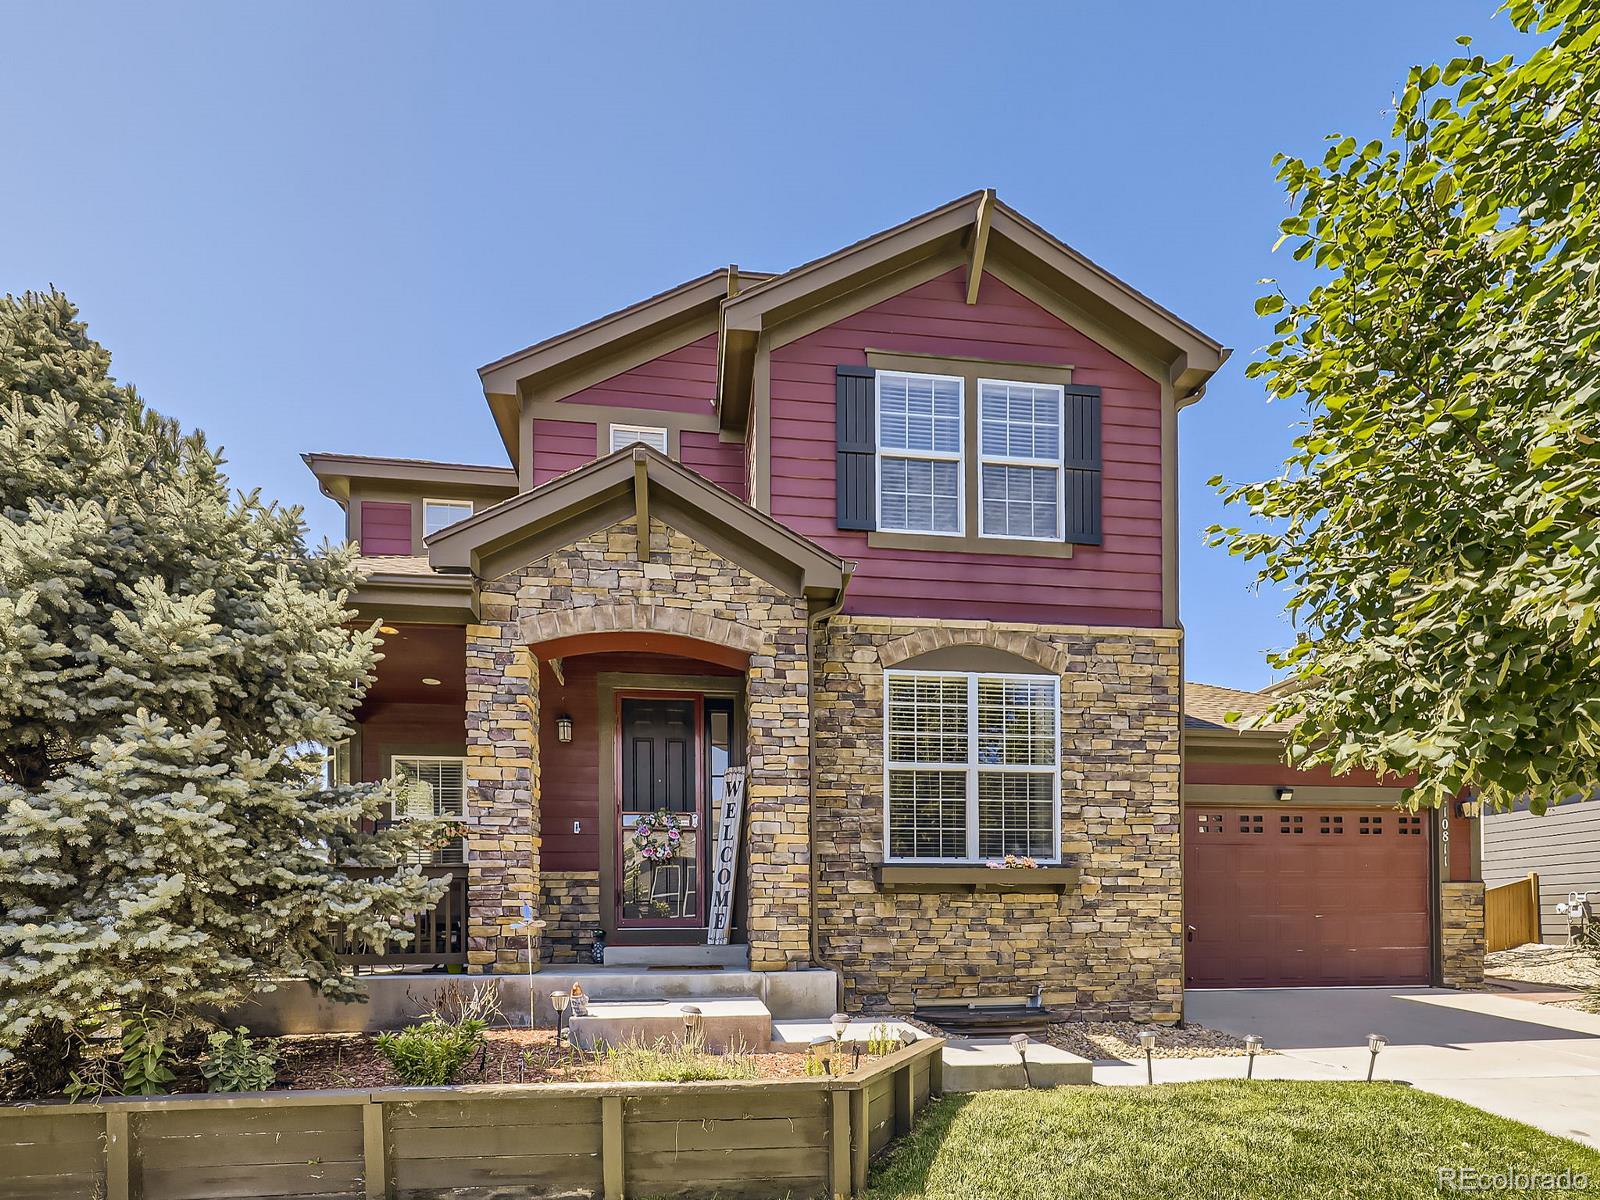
<point x="304" y="226"/>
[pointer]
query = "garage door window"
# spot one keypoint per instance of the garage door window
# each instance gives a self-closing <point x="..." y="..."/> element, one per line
<point x="971" y="766"/>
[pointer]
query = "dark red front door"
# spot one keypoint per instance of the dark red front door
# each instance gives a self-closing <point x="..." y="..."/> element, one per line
<point x="658" y="748"/>
<point x="1306" y="897"/>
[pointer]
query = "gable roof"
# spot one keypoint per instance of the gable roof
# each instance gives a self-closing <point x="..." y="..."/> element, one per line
<point x="334" y="473"/>
<point x="988" y="231"/>
<point x="633" y="482"/>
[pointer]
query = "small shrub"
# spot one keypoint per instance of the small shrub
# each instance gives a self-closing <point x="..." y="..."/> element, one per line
<point x="674" y="1062"/>
<point x="145" y="1056"/>
<point x="234" y="1063"/>
<point x="432" y="1052"/>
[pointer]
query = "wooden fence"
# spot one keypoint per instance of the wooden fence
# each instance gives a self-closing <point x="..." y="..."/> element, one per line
<point x="1511" y="914"/>
<point x="757" y="1139"/>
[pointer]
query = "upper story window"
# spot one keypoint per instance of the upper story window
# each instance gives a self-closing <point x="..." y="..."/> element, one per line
<point x="650" y="435"/>
<point x="967" y="456"/>
<point x="1019" y="464"/>
<point x="920" y="475"/>
<point x="438" y="514"/>
<point x="971" y="766"/>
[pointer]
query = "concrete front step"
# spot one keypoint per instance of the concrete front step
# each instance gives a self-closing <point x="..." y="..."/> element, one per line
<point x="797" y="1036"/>
<point x="732" y="958"/>
<point x="990" y="1064"/>
<point x="731" y="1023"/>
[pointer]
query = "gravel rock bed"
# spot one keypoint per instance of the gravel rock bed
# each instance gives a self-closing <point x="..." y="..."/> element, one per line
<point x="1120" y="1039"/>
<point x="1559" y="966"/>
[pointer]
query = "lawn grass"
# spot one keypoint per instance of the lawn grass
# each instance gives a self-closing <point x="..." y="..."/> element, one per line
<point x="1213" y="1141"/>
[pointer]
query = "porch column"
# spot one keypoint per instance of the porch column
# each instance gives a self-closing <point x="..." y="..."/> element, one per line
<point x="778" y="756"/>
<point x="502" y="719"/>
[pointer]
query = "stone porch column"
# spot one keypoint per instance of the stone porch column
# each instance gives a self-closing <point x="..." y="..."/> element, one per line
<point x="778" y="757"/>
<point x="1461" y="934"/>
<point x="502" y="721"/>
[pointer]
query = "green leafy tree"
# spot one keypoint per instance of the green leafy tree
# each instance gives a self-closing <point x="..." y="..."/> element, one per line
<point x="170" y="655"/>
<point x="1436" y="524"/>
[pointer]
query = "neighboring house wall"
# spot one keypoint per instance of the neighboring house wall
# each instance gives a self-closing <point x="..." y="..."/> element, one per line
<point x="1117" y="583"/>
<point x="1110" y="946"/>
<point x="1563" y="847"/>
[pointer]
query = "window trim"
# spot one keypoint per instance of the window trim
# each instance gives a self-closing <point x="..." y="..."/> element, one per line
<point x="455" y="503"/>
<point x="1035" y="463"/>
<point x="959" y="457"/>
<point x="613" y="427"/>
<point x="972" y="767"/>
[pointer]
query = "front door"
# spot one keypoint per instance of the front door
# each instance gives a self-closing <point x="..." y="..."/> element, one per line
<point x="660" y="872"/>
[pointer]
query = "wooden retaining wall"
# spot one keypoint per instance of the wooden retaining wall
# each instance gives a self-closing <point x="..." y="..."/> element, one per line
<point x="758" y="1139"/>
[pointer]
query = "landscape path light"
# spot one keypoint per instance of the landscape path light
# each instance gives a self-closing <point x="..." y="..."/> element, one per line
<point x="1019" y="1043"/>
<point x="559" y="1000"/>
<point x="1375" y="1043"/>
<point x="822" y="1046"/>
<point x="1147" y="1039"/>
<point x="1252" y="1047"/>
<point x="694" y="1023"/>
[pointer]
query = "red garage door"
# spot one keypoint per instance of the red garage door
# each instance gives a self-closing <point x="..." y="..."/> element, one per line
<point x="1279" y="898"/>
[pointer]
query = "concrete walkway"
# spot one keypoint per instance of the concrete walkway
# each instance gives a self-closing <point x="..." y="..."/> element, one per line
<point x="1531" y="1062"/>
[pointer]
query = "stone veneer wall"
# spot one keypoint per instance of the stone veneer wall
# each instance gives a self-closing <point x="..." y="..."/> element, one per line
<point x="502" y="817"/>
<point x="684" y="588"/>
<point x="1461" y="934"/>
<point x="1110" y="948"/>
<point x="570" y="906"/>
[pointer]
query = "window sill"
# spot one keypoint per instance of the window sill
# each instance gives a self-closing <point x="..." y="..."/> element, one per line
<point x="961" y="877"/>
<point x="968" y="544"/>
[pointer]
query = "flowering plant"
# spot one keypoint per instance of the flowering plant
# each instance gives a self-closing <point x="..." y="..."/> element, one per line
<point x="1011" y="860"/>
<point x="657" y="835"/>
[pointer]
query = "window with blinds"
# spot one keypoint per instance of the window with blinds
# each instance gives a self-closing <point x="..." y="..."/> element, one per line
<point x="971" y="766"/>
<point x="432" y="787"/>
<point x="1019" y="460"/>
<point x="919" y="453"/>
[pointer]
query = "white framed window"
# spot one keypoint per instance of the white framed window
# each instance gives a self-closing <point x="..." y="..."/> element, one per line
<point x="432" y="786"/>
<point x="920" y="474"/>
<point x="1019" y="460"/>
<point x="439" y="514"/>
<point x="650" y="435"/>
<point x="972" y="766"/>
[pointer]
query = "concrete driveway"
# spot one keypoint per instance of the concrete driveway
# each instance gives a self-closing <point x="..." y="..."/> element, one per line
<point x="1528" y="1061"/>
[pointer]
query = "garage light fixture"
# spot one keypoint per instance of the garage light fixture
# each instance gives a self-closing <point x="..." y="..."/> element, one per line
<point x="1285" y="795"/>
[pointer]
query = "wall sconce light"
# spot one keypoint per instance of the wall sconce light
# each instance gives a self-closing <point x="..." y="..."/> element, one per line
<point x="1285" y="795"/>
<point x="563" y="728"/>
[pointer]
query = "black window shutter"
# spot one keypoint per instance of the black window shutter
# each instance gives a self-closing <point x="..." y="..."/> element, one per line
<point x="1080" y="460"/>
<point x="856" y="438"/>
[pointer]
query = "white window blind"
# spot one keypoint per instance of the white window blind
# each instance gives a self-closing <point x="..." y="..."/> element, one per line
<point x="432" y="786"/>
<point x="919" y="453"/>
<point x="623" y="435"/>
<point x="1019" y="460"/>
<point x="439" y="514"/>
<point x="971" y="766"/>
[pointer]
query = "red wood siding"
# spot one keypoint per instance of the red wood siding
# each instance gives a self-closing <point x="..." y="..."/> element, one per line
<point x="719" y="461"/>
<point x="560" y="446"/>
<point x="409" y="729"/>
<point x="1115" y="583"/>
<point x="570" y="774"/>
<point x="683" y="381"/>
<point x="385" y="528"/>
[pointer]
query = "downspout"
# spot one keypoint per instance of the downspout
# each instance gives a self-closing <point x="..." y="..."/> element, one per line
<point x="813" y="624"/>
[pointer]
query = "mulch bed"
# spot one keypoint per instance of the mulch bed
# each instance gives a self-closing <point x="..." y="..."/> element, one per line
<point x="351" y="1060"/>
<point x="1120" y="1040"/>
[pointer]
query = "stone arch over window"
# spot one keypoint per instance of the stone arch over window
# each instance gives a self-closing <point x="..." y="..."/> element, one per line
<point x="640" y="620"/>
<point x="1012" y="642"/>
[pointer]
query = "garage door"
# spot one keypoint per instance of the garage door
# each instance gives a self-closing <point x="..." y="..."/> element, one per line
<point x="1278" y="898"/>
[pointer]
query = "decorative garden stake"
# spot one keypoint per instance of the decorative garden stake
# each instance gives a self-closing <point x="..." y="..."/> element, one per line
<point x="1375" y="1043"/>
<point x="1019" y="1043"/>
<point x="559" y="1001"/>
<point x="530" y="924"/>
<point x="1147" y="1039"/>
<point x="1252" y="1046"/>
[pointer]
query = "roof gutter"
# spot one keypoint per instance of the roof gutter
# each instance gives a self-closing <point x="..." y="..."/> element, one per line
<point x="814" y="623"/>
